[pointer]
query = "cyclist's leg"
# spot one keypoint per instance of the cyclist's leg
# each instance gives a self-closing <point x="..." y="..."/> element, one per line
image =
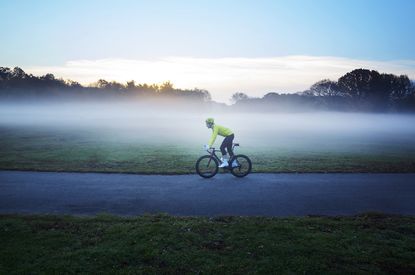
<point x="229" y="145"/>
<point x="223" y="146"/>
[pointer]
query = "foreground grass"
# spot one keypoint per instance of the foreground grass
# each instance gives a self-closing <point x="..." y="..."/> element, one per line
<point x="369" y="243"/>
<point x="42" y="150"/>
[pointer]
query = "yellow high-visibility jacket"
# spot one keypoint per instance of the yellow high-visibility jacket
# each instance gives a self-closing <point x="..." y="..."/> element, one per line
<point x="219" y="130"/>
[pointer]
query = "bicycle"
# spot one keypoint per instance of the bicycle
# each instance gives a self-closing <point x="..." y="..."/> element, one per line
<point x="207" y="166"/>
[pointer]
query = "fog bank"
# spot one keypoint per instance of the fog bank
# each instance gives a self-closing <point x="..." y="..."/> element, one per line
<point x="172" y="126"/>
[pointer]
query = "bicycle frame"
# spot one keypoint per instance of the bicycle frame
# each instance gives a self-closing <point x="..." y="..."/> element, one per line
<point x="212" y="153"/>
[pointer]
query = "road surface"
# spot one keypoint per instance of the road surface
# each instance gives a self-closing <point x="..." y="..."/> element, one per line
<point x="257" y="194"/>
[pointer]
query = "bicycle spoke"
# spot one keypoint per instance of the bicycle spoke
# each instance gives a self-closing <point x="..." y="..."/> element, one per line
<point x="207" y="167"/>
<point x="243" y="166"/>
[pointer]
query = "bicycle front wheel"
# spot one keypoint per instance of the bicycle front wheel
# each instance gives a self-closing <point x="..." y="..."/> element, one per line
<point x="207" y="166"/>
<point x="240" y="166"/>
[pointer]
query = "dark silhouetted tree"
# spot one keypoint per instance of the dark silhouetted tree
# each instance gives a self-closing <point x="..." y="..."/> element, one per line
<point x="324" y="87"/>
<point x="166" y="87"/>
<point x="238" y="97"/>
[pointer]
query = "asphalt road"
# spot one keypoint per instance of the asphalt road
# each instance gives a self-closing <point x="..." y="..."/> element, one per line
<point x="257" y="194"/>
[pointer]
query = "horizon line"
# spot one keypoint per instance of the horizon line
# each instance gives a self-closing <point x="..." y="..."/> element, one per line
<point x="222" y="76"/>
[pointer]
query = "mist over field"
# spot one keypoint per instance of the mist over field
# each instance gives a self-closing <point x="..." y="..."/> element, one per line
<point x="172" y="125"/>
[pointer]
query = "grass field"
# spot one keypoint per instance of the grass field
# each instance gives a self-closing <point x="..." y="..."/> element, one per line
<point x="369" y="243"/>
<point x="43" y="149"/>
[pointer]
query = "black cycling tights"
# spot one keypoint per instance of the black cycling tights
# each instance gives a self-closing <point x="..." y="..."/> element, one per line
<point x="227" y="143"/>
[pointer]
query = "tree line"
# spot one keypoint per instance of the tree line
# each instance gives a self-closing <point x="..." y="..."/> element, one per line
<point x="359" y="90"/>
<point x="15" y="83"/>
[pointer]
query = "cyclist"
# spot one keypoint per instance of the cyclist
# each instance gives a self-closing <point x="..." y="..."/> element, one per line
<point x="226" y="143"/>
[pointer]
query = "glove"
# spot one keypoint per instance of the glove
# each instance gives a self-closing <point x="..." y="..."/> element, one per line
<point x="207" y="147"/>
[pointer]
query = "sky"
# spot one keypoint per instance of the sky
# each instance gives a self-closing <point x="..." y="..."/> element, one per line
<point x="223" y="46"/>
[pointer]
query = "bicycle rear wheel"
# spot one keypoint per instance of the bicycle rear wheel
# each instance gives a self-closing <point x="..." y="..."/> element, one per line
<point x="207" y="166"/>
<point x="240" y="166"/>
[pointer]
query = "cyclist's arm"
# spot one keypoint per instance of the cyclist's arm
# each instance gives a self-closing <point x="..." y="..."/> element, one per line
<point x="214" y="135"/>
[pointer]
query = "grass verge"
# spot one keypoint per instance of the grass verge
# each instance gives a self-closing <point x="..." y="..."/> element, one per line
<point x="367" y="243"/>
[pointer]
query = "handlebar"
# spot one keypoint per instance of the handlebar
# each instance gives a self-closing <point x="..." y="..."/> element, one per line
<point x="211" y="150"/>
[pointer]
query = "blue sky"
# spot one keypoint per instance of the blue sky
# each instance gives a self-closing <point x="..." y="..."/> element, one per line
<point x="49" y="34"/>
